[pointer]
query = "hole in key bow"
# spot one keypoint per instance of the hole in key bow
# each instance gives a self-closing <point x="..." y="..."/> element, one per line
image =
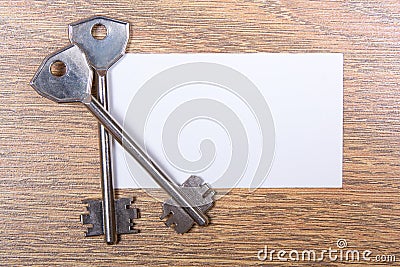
<point x="58" y="68"/>
<point x="99" y="31"/>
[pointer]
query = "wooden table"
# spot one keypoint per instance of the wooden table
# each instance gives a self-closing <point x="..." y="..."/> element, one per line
<point x="49" y="153"/>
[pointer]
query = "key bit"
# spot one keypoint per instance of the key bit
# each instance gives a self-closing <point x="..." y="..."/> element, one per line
<point x="125" y="215"/>
<point x="200" y="193"/>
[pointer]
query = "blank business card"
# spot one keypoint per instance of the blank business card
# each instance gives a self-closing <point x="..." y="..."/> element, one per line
<point x="236" y="120"/>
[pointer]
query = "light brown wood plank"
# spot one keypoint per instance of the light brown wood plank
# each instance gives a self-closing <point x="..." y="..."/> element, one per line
<point x="49" y="153"/>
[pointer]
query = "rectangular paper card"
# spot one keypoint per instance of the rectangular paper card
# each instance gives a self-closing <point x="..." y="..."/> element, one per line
<point x="236" y="120"/>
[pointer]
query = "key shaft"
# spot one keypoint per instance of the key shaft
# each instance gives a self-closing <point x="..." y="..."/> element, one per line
<point x="107" y="187"/>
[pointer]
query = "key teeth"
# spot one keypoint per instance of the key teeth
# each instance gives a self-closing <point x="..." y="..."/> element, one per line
<point x="90" y="232"/>
<point x="134" y="214"/>
<point x="204" y="189"/>
<point x="167" y="212"/>
<point x="177" y="217"/>
<point x="169" y="222"/>
<point x="85" y="219"/>
<point x="164" y="215"/>
<point x="193" y="181"/>
<point x="92" y="218"/>
<point x="126" y="212"/>
<point x="209" y="194"/>
<point x="125" y="216"/>
<point x="131" y="227"/>
<point x="178" y="227"/>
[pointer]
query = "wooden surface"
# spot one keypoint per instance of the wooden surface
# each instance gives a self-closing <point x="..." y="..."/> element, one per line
<point x="49" y="153"/>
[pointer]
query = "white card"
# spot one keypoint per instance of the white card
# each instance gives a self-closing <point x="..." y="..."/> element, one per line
<point x="237" y="120"/>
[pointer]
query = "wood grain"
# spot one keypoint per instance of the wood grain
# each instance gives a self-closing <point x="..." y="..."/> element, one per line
<point x="49" y="153"/>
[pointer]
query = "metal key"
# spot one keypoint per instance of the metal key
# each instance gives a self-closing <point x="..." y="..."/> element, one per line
<point x="101" y="54"/>
<point x="75" y="86"/>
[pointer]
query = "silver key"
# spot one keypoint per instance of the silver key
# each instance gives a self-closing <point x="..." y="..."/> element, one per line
<point x="101" y="54"/>
<point x="75" y="86"/>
